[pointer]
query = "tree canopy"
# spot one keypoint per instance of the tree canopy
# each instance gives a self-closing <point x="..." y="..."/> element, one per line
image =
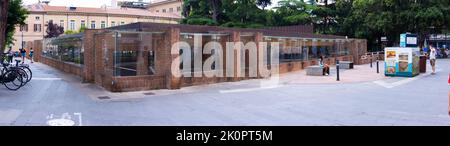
<point x="53" y="30"/>
<point x="368" y="19"/>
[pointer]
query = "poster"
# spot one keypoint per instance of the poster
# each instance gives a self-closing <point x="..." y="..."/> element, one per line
<point x="390" y="62"/>
<point x="403" y="62"/>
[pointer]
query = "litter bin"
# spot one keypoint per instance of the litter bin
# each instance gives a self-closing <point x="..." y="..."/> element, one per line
<point x="423" y="64"/>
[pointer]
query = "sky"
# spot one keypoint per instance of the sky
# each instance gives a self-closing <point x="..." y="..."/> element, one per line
<point x="88" y="3"/>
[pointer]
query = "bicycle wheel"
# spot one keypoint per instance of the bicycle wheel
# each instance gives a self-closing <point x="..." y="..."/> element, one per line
<point x="12" y="80"/>
<point x="29" y="73"/>
<point x="24" y="75"/>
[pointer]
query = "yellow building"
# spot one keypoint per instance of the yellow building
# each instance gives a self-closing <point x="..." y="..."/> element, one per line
<point x="166" y="6"/>
<point x="73" y="18"/>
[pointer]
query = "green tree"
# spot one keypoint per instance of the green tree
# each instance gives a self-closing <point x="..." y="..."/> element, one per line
<point x="229" y="13"/>
<point x="372" y="19"/>
<point x="294" y="12"/>
<point x="82" y="29"/>
<point x="16" y="16"/>
<point x="53" y="30"/>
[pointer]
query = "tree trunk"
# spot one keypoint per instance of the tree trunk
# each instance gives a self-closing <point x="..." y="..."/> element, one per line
<point x="215" y="7"/>
<point x="3" y="23"/>
<point x="326" y="16"/>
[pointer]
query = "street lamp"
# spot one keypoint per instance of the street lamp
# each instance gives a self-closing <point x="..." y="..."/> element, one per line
<point x="22" y="37"/>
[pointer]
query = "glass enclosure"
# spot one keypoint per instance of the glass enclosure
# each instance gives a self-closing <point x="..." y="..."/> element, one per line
<point x="131" y="53"/>
<point x="67" y="48"/>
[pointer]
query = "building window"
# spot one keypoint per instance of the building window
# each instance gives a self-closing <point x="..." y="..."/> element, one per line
<point x="61" y="23"/>
<point x="103" y="25"/>
<point x="37" y="18"/>
<point x="113" y="23"/>
<point x="24" y="27"/>
<point x="37" y="28"/>
<point x="170" y="10"/>
<point x="72" y="25"/>
<point x="83" y="24"/>
<point x="178" y="9"/>
<point x="157" y="11"/>
<point x="92" y="24"/>
<point x="122" y="23"/>
<point x="164" y="10"/>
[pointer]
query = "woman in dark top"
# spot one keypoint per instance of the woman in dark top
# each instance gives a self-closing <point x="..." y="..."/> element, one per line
<point x="31" y="54"/>
<point x="23" y="52"/>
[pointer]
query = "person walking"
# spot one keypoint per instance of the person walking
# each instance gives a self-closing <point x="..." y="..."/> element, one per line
<point x="23" y="54"/>
<point x="433" y="59"/>
<point x="31" y="55"/>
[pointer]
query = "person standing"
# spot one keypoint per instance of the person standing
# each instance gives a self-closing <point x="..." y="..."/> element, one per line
<point x="23" y="54"/>
<point x="10" y="56"/>
<point x="433" y="59"/>
<point x="31" y="55"/>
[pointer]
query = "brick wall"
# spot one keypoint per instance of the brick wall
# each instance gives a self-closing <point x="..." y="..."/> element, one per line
<point x="286" y="67"/>
<point x="136" y="83"/>
<point x="63" y="66"/>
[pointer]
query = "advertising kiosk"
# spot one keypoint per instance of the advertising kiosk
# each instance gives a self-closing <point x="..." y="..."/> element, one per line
<point x="404" y="60"/>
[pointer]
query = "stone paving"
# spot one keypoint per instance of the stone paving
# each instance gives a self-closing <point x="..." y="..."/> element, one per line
<point x="362" y="97"/>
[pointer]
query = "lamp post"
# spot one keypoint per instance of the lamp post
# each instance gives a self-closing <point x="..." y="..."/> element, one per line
<point x="22" y="38"/>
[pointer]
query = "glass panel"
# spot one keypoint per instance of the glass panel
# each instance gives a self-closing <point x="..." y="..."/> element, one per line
<point x="313" y="49"/>
<point x="135" y="53"/>
<point x="68" y="49"/>
<point x="291" y="49"/>
<point x="201" y="39"/>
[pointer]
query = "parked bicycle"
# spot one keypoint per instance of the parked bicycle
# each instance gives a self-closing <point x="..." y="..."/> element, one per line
<point x="24" y="67"/>
<point x="15" y="76"/>
<point x="12" y="79"/>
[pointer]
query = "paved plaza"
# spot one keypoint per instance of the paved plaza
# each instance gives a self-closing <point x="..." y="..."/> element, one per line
<point x="362" y="97"/>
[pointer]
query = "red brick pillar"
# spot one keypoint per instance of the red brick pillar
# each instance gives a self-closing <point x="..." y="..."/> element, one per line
<point x="37" y="47"/>
<point x="236" y="37"/>
<point x="358" y="47"/>
<point x="165" y="58"/>
<point x="88" y="74"/>
<point x="258" y="39"/>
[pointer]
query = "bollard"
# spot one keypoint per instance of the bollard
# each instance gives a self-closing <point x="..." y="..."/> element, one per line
<point x="371" y="62"/>
<point x="378" y="67"/>
<point x="337" y="70"/>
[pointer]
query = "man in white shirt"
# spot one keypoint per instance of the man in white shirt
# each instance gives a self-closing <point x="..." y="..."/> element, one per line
<point x="433" y="59"/>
